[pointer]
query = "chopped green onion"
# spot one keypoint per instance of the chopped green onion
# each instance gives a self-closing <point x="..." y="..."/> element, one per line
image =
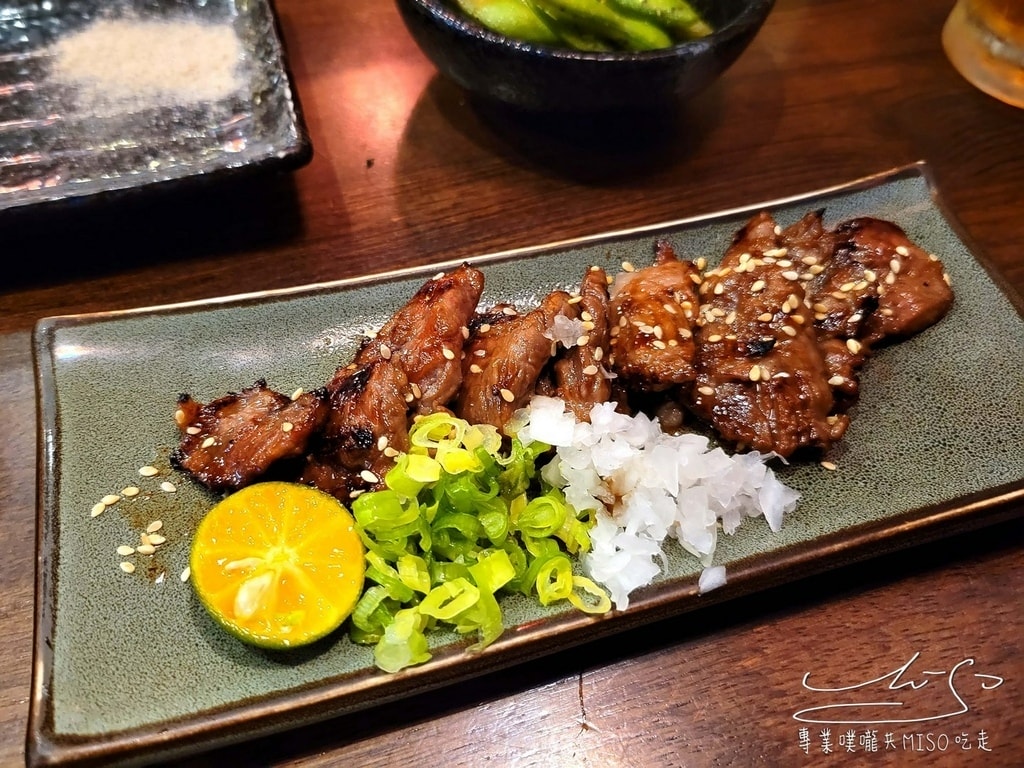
<point x="461" y="522"/>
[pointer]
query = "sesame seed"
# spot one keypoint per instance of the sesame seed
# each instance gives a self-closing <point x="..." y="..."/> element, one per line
<point x="97" y="509"/>
<point x="390" y="452"/>
<point x="185" y="574"/>
<point x="382" y="442"/>
<point x="946" y="279"/>
<point x="797" y="318"/>
<point x="719" y="289"/>
<point x="438" y="276"/>
<point x="193" y="430"/>
<point x="156" y="539"/>
<point x="598" y="353"/>
<point x="835" y="381"/>
<point x="416" y="391"/>
<point x="464" y="331"/>
<point x="697" y="279"/>
<point x="449" y="355"/>
<point x="287" y="427"/>
<point x="715" y="337"/>
<point x="127" y="567"/>
<point x="484" y="327"/>
<point x="809" y="260"/>
<point x="110" y="499"/>
<point x="582" y="341"/>
<point x="902" y="250"/>
<point x="701" y="263"/>
<point x="595" y="268"/>
<point x="206" y="444"/>
<point x="789" y="330"/>
<point x="658" y="332"/>
<point x="155" y="526"/>
<point x="765" y="317"/>
<point x="623" y="322"/>
<point x="870" y="275"/>
<point x="730" y="318"/>
<point x="627" y="266"/>
<point x="819" y="307"/>
<point x="658" y="344"/>
<point x="167" y="487"/>
<point x="776" y="252"/>
<point x="846" y="287"/>
<point x="755" y="373"/>
<point x="584" y="315"/>
<point x="124" y="550"/>
<point x="685" y="333"/>
<point x="853" y="345"/>
<point x="894" y="265"/>
<point x="784" y="263"/>
<point x="179" y="417"/>
<point x="781" y="375"/>
<point x="887" y="312"/>
<point x="385" y="351"/>
<point x="480" y="353"/>
<point x="369" y="477"/>
<point x="828" y="465"/>
<point x="474" y="368"/>
<point x="575" y="300"/>
<point x="706" y="390"/>
<point x="889" y="280"/>
<point x="409" y="397"/>
<point x="757" y="286"/>
<point x="130" y="491"/>
<point x="507" y="395"/>
<point x="791" y="275"/>
<point x="296" y="394"/>
<point x="668" y="308"/>
<point x="816" y="269"/>
<point x="590" y="370"/>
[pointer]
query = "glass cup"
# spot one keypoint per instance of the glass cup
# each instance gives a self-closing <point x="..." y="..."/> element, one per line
<point x="984" y="39"/>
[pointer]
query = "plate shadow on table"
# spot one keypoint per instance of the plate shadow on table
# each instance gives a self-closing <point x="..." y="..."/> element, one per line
<point x="737" y="614"/>
<point x="77" y="238"/>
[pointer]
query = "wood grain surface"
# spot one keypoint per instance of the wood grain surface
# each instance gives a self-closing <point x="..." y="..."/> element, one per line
<point x="408" y="170"/>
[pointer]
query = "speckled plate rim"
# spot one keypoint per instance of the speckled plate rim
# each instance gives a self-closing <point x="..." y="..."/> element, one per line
<point x="283" y="710"/>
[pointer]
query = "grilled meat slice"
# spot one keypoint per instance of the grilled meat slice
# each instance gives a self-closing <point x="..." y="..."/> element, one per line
<point x="840" y="294"/>
<point x="761" y="378"/>
<point x="910" y="285"/>
<point x="505" y="355"/>
<point x="233" y="440"/>
<point x="366" y="427"/>
<point x="425" y="337"/>
<point x="579" y="375"/>
<point x="653" y="312"/>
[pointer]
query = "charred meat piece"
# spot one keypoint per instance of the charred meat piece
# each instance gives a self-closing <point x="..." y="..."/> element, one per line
<point x="366" y="427"/>
<point x="761" y="379"/>
<point x="910" y="285"/>
<point x="505" y="356"/>
<point x="840" y="294"/>
<point x="233" y="440"/>
<point x="425" y="337"/>
<point x="579" y="375"/>
<point x="653" y="312"/>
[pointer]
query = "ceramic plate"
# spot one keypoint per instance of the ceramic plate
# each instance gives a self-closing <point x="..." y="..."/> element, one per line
<point x="128" y="666"/>
<point x="62" y="139"/>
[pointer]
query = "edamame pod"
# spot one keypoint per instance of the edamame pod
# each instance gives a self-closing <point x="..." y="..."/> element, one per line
<point x="569" y="32"/>
<point x="677" y="16"/>
<point x="512" y="18"/>
<point x="601" y="20"/>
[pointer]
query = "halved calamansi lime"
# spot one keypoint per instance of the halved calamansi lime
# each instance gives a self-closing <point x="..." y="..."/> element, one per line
<point x="278" y="565"/>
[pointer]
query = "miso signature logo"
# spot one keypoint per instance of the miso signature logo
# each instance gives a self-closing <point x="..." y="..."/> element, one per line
<point x="906" y="694"/>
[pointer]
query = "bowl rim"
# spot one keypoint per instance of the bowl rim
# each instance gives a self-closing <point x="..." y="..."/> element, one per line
<point x="752" y="16"/>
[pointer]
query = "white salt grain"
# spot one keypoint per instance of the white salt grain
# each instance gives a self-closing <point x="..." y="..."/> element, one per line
<point x="136" y="63"/>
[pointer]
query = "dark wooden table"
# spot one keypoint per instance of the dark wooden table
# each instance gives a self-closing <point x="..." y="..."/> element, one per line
<point x="408" y="171"/>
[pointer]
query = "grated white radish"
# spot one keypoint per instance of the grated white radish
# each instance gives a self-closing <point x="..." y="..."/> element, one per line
<point x="646" y="486"/>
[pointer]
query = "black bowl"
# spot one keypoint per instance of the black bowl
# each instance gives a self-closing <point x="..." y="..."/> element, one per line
<point x="542" y="78"/>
